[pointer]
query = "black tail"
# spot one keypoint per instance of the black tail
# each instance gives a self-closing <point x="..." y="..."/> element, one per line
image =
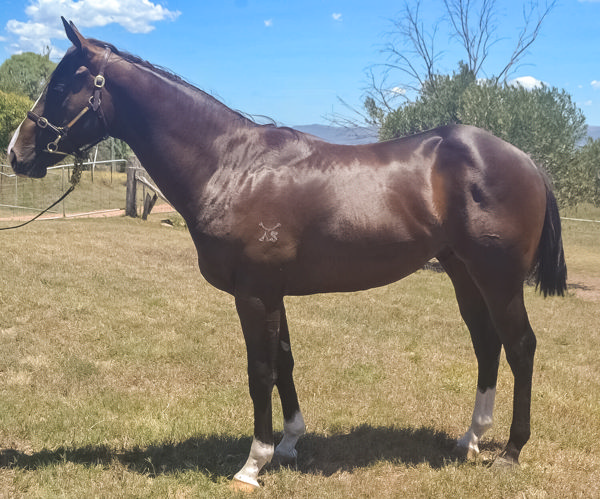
<point x="550" y="272"/>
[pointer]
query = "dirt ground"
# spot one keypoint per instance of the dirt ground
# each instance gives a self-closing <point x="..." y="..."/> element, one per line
<point x="585" y="287"/>
<point x="159" y="208"/>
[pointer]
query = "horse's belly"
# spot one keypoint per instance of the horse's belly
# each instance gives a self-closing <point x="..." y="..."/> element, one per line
<point x="356" y="267"/>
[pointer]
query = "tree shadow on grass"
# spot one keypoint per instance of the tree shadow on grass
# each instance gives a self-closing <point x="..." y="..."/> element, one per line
<point x="222" y="455"/>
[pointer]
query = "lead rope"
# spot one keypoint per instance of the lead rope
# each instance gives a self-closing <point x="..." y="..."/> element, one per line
<point x="75" y="178"/>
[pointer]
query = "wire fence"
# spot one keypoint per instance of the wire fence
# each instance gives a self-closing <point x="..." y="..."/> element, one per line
<point x="102" y="187"/>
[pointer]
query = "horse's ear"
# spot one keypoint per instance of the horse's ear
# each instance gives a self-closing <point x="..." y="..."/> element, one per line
<point x="73" y="33"/>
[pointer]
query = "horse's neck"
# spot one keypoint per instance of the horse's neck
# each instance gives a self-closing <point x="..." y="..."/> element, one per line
<point x="174" y="130"/>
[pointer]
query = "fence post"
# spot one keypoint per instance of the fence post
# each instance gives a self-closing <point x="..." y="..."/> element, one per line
<point x="131" y="195"/>
<point x="149" y="202"/>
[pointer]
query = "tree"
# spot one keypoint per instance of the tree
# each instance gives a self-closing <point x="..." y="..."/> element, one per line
<point x="112" y="148"/>
<point x="413" y="54"/>
<point x="438" y="104"/>
<point x="583" y="181"/>
<point x="544" y="122"/>
<point x="13" y="109"/>
<point x="26" y="74"/>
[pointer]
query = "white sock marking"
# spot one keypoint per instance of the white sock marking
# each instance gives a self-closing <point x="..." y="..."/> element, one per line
<point x="481" y="421"/>
<point x="292" y="431"/>
<point x="260" y="454"/>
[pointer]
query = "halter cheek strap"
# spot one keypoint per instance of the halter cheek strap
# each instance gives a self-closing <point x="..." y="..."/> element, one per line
<point x="94" y="104"/>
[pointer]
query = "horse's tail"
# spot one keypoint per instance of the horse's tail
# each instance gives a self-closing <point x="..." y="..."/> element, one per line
<point x="550" y="271"/>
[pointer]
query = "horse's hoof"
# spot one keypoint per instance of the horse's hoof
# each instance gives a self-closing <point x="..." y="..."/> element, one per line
<point x="508" y="458"/>
<point x="245" y="487"/>
<point x="465" y="453"/>
<point x="504" y="461"/>
<point x="281" y="461"/>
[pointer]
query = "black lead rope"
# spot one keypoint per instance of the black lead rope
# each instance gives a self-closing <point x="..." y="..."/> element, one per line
<point x="75" y="177"/>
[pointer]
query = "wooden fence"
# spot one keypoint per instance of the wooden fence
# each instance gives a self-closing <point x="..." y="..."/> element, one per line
<point x="137" y="177"/>
<point x="106" y="186"/>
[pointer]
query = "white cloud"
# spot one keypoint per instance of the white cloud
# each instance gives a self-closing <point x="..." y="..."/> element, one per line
<point x="527" y="82"/>
<point x="588" y="103"/>
<point x="268" y="23"/>
<point x="336" y="16"/>
<point x="595" y="84"/>
<point x="33" y="36"/>
<point x="398" y="91"/>
<point x="43" y="24"/>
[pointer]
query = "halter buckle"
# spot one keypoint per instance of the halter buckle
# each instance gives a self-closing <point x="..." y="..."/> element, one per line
<point x="52" y="147"/>
<point x="99" y="81"/>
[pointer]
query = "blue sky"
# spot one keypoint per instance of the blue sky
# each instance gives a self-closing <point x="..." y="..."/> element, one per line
<point x="294" y="60"/>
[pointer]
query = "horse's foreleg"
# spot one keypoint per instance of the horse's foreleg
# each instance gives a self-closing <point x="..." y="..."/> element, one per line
<point x="260" y="326"/>
<point x="293" y="425"/>
<point x="487" y="346"/>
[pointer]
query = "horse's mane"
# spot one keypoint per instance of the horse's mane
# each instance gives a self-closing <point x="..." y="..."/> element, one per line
<point x="171" y="76"/>
<point x="134" y="59"/>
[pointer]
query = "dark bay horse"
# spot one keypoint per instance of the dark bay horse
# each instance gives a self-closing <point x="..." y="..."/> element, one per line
<point x="275" y="212"/>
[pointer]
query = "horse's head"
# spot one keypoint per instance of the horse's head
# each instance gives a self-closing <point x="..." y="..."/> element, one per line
<point x="70" y="115"/>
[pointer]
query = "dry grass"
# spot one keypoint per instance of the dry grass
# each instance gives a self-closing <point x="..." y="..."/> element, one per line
<point x="123" y="375"/>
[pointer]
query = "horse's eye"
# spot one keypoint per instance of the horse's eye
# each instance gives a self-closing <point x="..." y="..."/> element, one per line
<point x="59" y="87"/>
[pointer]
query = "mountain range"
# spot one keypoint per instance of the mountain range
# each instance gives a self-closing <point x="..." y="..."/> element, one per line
<point x="340" y="134"/>
<point x="365" y="135"/>
<point x="594" y="132"/>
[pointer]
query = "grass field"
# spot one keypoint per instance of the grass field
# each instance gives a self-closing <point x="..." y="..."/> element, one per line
<point x="123" y="374"/>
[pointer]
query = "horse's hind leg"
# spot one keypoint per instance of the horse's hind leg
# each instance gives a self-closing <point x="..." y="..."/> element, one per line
<point x="511" y="321"/>
<point x="487" y="347"/>
<point x="293" y="425"/>
<point x="499" y="276"/>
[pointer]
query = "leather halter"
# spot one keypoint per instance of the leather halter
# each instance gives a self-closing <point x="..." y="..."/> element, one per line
<point x="63" y="131"/>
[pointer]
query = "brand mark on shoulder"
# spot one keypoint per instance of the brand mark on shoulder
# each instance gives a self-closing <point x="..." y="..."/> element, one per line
<point x="270" y="234"/>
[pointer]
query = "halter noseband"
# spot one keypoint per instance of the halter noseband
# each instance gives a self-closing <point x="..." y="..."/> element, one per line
<point x="93" y="104"/>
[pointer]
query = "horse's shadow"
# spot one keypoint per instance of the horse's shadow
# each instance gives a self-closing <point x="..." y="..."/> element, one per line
<point x="222" y="456"/>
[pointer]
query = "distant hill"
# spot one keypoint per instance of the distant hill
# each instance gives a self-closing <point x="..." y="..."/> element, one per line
<point x="341" y="135"/>
<point x="363" y="135"/>
<point x="594" y="132"/>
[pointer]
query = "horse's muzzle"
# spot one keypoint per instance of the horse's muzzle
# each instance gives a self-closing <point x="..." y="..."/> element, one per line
<point x="31" y="170"/>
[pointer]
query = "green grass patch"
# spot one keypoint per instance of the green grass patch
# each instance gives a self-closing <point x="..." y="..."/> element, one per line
<point x="123" y="374"/>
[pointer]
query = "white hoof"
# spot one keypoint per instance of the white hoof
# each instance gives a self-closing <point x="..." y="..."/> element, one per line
<point x="244" y="484"/>
<point x="468" y="452"/>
